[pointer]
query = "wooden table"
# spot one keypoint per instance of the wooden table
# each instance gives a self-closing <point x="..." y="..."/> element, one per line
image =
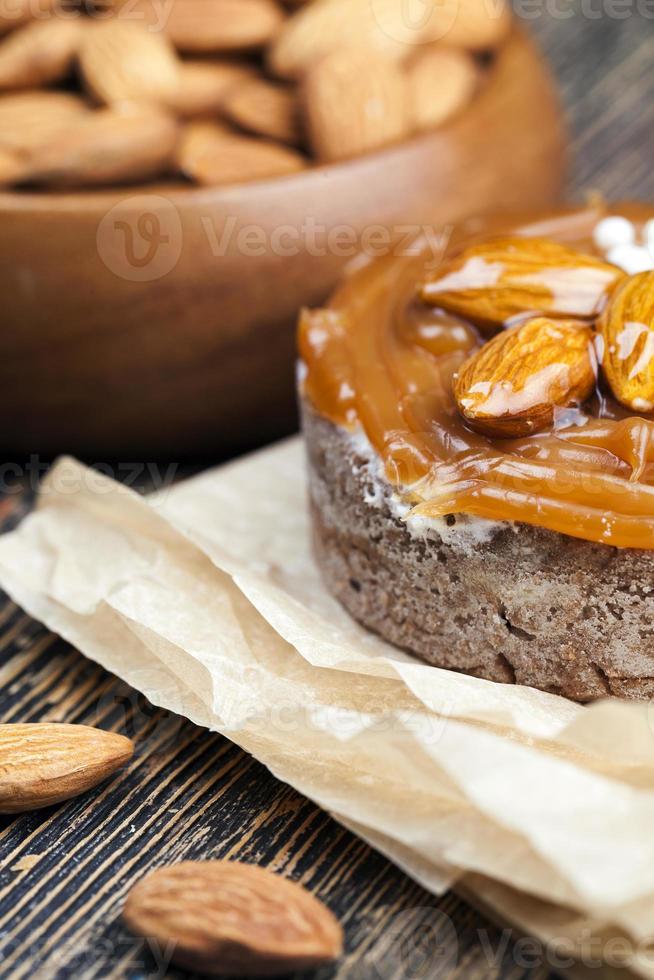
<point x="64" y="872"/>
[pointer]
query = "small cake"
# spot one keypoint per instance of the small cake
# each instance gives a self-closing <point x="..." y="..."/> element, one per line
<point x="480" y="437"/>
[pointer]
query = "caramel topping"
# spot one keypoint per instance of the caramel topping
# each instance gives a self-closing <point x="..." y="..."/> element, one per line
<point x="383" y="359"/>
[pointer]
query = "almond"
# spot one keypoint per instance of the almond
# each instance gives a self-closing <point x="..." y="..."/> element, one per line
<point x="108" y="147"/>
<point x="123" y="61"/>
<point x="29" y="119"/>
<point x="205" y="26"/>
<point x="355" y="101"/>
<point x="210" y="154"/>
<point x="42" y="764"/>
<point x="488" y="283"/>
<point x="325" y="26"/>
<point x="265" y="109"/>
<point x="627" y="348"/>
<point x="510" y="387"/>
<point x="442" y="81"/>
<point x="223" y="917"/>
<point x="203" y="85"/>
<point x="39" y="54"/>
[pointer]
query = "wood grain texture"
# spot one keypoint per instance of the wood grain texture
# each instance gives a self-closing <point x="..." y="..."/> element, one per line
<point x="603" y="67"/>
<point x="64" y="872"/>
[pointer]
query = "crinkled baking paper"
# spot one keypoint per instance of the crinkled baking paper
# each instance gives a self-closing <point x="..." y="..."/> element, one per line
<point x="205" y="597"/>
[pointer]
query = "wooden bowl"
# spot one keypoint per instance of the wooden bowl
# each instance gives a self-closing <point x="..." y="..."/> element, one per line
<point x="155" y="321"/>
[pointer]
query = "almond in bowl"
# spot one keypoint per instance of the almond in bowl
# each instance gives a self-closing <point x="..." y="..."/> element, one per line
<point x="288" y="77"/>
<point x="480" y="439"/>
<point x="206" y="169"/>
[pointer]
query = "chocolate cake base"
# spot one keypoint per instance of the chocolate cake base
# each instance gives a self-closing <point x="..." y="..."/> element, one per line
<point x="508" y="602"/>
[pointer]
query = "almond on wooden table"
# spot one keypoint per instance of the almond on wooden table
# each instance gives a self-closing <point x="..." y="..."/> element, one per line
<point x="108" y="147"/>
<point x="42" y="764"/>
<point x="442" y="81"/>
<point x="228" y="918"/>
<point x="510" y="387"/>
<point x="266" y="109"/>
<point x="492" y="281"/>
<point x="372" y="99"/>
<point x="627" y="349"/>
<point x="123" y="61"/>
<point x="211" y="154"/>
<point x="217" y="26"/>
<point x="203" y="86"/>
<point x="30" y="119"/>
<point x="40" y="53"/>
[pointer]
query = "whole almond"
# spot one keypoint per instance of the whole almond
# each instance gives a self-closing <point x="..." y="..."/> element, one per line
<point x="265" y="109"/>
<point x="325" y="26"/>
<point x="42" y="764"/>
<point x="491" y="282"/>
<point x="223" y="917"/>
<point x="627" y="348"/>
<point x="203" y="86"/>
<point x="510" y="387"/>
<point x="206" y="26"/>
<point x="355" y="102"/>
<point x="108" y="147"/>
<point x="442" y="81"/>
<point x="39" y="54"/>
<point x="29" y="119"/>
<point x="122" y="61"/>
<point x="212" y="155"/>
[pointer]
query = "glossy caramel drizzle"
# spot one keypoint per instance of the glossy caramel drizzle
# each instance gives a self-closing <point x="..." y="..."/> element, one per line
<point x="380" y="359"/>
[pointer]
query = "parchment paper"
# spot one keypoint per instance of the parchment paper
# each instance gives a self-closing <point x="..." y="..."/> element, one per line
<point x="205" y="598"/>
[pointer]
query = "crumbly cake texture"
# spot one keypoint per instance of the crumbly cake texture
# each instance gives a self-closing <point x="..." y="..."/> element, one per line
<point x="507" y="602"/>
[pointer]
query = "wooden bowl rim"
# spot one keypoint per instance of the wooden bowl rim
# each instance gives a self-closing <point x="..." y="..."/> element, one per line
<point x="90" y="200"/>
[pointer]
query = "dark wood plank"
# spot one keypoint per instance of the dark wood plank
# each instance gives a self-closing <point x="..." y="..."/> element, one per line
<point x="603" y="68"/>
<point x="64" y="872"/>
